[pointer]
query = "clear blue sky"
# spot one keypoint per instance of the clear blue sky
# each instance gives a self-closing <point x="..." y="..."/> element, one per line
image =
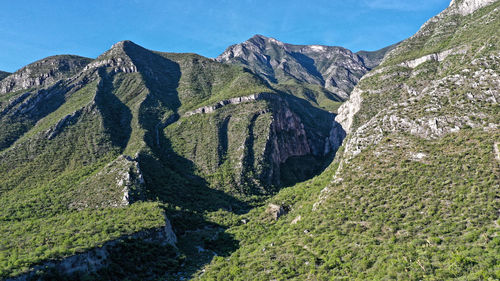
<point x="31" y="30"/>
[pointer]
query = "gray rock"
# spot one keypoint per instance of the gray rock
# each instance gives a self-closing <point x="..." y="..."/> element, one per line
<point x="275" y="211"/>
<point x="335" y="68"/>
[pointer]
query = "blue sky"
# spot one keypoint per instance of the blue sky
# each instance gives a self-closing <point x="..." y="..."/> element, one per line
<point x="31" y="30"/>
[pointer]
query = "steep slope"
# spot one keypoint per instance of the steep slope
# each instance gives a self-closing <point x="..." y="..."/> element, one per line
<point x="66" y="186"/>
<point x="414" y="193"/>
<point x="138" y="145"/>
<point x="336" y="70"/>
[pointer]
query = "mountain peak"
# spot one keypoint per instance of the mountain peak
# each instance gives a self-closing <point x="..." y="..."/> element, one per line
<point x="122" y="56"/>
<point x="262" y="40"/>
<point x="43" y="72"/>
<point x="124" y="47"/>
<point x="336" y="69"/>
<point x="259" y="36"/>
<point x="124" y="44"/>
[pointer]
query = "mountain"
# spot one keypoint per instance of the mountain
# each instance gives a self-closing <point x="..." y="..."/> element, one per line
<point x="336" y="69"/>
<point x="145" y="165"/>
<point x="413" y="192"/>
<point x="137" y="150"/>
<point x="43" y="72"/>
<point x="3" y="74"/>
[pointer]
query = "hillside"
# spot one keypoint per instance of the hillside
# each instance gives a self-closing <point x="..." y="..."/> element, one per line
<point x="324" y="75"/>
<point x="43" y="72"/>
<point x="142" y="149"/>
<point x="146" y="165"/>
<point x="414" y="193"/>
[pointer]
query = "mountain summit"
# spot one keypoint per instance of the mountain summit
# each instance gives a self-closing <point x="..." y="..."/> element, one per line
<point x="336" y="69"/>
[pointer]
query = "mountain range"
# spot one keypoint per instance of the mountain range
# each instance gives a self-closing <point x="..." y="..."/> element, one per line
<point x="272" y="161"/>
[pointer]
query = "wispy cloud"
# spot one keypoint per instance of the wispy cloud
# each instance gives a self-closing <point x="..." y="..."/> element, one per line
<point x="398" y="5"/>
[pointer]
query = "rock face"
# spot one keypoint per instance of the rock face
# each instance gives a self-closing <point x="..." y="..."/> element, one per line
<point x="256" y="135"/>
<point x="466" y="7"/>
<point x="427" y="104"/>
<point x="275" y="211"/>
<point x="335" y="68"/>
<point x="43" y="72"/>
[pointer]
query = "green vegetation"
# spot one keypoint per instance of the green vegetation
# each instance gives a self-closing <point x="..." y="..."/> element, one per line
<point x="73" y="150"/>
<point x="315" y="94"/>
<point x="409" y="206"/>
<point x="455" y="31"/>
<point x="395" y="218"/>
<point x="205" y="82"/>
<point x="109" y="153"/>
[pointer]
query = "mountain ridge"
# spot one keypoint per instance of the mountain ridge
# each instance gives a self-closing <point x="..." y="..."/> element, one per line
<point x="337" y="69"/>
<point x="143" y="164"/>
<point x="110" y="136"/>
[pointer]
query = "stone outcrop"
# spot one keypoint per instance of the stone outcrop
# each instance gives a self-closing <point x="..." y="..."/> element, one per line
<point x="120" y="183"/>
<point x="275" y="211"/>
<point x="237" y="100"/>
<point x="466" y="7"/>
<point x="347" y="110"/>
<point x="56" y="129"/>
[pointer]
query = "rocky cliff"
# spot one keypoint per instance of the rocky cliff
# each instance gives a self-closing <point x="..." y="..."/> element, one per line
<point x="255" y="135"/>
<point x="425" y="105"/>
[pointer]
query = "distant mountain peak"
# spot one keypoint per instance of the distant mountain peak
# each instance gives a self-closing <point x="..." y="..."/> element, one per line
<point x="335" y="68"/>
<point x="122" y="57"/>
<point x="43" y="72"/>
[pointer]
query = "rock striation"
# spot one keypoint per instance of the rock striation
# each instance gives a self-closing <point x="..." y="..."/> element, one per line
<point x="336" y="69"/>
<point x="429" y="102"/>
<point x="43" y="72"/>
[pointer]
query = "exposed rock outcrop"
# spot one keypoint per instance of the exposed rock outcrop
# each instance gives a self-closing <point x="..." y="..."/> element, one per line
<point x="275" y="211"/>
<point x="335" y="68"/>
<point x="466" y="7"/>
<point x="119" y="184"/>
<point x="43" y="73"/>
<point x="347" y="110"/>
<point x="237" y="100"/>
